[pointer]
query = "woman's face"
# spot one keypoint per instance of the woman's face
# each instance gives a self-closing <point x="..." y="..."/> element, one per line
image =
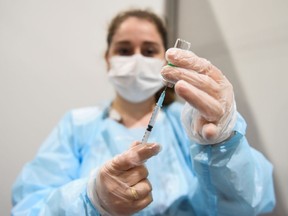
<point x="136" y="36"/>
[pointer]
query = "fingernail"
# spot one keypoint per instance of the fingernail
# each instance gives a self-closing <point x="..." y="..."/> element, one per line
<point x="164" y="69"/>
<point x="155" y="146"/>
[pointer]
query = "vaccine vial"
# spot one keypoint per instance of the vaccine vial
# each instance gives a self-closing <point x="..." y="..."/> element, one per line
<point x="180" y="44"/>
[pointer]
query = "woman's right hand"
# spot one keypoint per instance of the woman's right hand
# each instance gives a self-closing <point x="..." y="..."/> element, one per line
<point x="122" y="187"/>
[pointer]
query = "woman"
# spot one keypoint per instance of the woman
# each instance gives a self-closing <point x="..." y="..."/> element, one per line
<point x="93" y="162"/>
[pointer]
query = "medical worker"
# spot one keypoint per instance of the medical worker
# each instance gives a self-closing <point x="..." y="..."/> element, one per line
<point x="195" y="163"/>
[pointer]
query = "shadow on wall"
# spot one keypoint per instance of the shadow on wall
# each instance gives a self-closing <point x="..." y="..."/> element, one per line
<point x="207" y="40"/>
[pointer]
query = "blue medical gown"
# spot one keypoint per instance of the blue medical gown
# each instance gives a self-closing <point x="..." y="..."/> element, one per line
<point x="230" y="178"/>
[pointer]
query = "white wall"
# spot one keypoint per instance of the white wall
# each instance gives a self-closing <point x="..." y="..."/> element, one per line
<point x="50" y="62"/>
<point x="248" y="41"/>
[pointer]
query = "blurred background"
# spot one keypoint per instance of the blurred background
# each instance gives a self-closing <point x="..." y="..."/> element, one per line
<point x="51" y="60"/>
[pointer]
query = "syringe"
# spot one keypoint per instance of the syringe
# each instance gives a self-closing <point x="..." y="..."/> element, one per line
<point x="153" y="117"/>
<point x="181" y="44"/>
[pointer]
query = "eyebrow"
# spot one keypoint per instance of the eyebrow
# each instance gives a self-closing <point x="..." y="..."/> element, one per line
<point x="151" y="43"/>
<point x="126" y="42"/>
<point x="122" y="43"/>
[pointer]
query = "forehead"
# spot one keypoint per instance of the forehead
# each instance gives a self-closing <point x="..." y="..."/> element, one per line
<point x="137" y="30"/>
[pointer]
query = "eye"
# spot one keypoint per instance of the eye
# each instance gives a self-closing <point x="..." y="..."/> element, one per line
<point x="149" y="51"/>
<point x="124" y="51"/>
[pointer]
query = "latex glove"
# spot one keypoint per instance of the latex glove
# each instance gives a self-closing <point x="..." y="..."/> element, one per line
<point x="209" y="115"/>
<point x="121" y="186"/>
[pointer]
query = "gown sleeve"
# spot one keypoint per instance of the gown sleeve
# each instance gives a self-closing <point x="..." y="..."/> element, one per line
<point x="50" y="184"/>
<point x="233" y="178"/>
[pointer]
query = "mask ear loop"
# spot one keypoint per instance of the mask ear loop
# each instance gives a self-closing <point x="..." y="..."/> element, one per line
<point x="112" y="114"/>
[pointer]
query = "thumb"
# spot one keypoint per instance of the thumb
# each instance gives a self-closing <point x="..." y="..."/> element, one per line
<point x="135" y="156"/>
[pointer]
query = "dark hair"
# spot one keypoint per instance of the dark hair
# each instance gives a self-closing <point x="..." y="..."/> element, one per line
<point x="141" y="14"/>
<point x="160" y="26"/>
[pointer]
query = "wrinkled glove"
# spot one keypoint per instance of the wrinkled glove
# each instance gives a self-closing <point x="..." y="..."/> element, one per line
<point x="121" y="186"/>
<point x="209" y="114"/>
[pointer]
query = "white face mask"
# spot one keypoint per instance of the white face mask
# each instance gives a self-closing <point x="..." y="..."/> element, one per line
<point x="136" y="78"/>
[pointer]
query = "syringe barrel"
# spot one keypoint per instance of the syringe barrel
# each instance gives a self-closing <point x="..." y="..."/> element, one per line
<point x="146" y="136"/>
<point x="150" y="124"/>
<point x="154" y="115"/>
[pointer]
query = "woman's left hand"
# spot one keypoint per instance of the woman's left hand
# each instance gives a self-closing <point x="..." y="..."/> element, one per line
<point x="121" y="186"/>
<point x="209" y="115"/>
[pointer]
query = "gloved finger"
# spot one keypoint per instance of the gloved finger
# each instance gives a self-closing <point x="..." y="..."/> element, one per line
<point x="135" y="143"/>
<point x="135" y="156"/>
<point x="205" y="129"/>
<point x="209" y="107"/>
<point x="210" y="131"/>
<point x="139" y="190"/>
<point x="189" y="60"/>
<point x="134" y="175"/>
<point x="128" y="207"/>
<point x="200" y="81"/>
<point x="144" y="202"/>
<point x="141" y="203"/>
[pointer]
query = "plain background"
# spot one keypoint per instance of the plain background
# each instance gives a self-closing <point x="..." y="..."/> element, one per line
<point x="51" y="60"/>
